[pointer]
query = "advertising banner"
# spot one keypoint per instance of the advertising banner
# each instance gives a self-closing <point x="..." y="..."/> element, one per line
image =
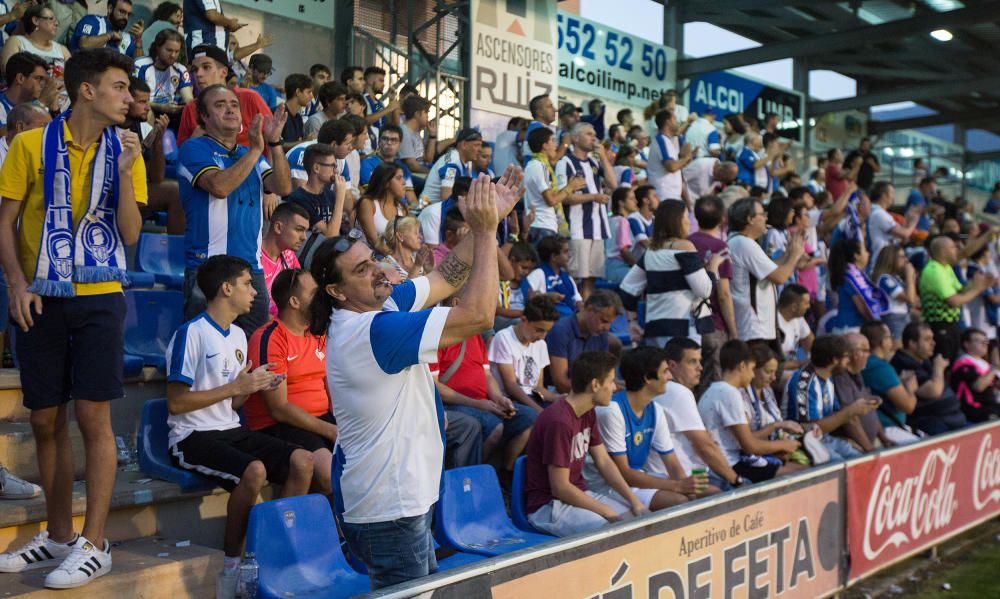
<point x="513" y="54"/>
<point x="903" y="501"/>
<point x="728" y="93"/>
<point x="611" y="64"/>
<point x="786" y="543"/>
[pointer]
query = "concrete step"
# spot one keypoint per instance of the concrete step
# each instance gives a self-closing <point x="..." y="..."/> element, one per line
<point x="147" y="568"/>
<point x="10" y="396"/>
<point x="17" y="450"/>
<point x="140" y="507"/>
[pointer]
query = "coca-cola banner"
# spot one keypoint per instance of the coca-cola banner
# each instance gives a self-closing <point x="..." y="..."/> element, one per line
<point x="906" y="500"/>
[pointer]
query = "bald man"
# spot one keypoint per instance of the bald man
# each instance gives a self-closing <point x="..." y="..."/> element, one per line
<point x="23" y="117"/>
<point x="850" y="387"/>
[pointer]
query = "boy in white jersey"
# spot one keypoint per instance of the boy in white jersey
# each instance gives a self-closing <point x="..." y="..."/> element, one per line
<point x="208" y="379"/>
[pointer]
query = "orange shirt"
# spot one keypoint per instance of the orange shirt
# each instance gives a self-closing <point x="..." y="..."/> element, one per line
<point x="303" y="359"/>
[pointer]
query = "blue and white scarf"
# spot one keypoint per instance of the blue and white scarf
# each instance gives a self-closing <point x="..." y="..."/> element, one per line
<point x="94" y="253"/>
<point x="874" y="297"/>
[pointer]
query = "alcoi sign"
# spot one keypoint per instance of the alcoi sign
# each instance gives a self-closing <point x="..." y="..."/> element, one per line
<point x="727" y="93"/>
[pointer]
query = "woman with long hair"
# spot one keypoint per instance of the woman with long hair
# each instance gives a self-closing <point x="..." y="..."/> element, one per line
<point x="382" y="202"/>
<point x="859" y="300"/>
<point x="897" y="278"/>
<point x="677" y="300"/>
<point x="407" y="253"/>
<point x="618" y="247"/>
<point x="625" y="166"/>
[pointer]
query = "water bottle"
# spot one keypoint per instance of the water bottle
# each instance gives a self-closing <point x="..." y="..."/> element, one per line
<point x="246" y="584"/>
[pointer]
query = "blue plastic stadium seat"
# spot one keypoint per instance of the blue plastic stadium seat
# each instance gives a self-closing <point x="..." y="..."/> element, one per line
<point x="151" y="318"/>
<point x="133" y="366"/>
<point x="457" y="560"/>
<point x="154" y="460"/>
<point x="640" y="313"/>
<point x="619" y="328"/>
<point x="605" y="284"/>
<point x="295" y="542"/>
<point x="163" y="256"/>
<point x="517" y="497"/>
<point x="170" y="148"/>
<point x="471" y="517"/>
<point x="140" y="280"/>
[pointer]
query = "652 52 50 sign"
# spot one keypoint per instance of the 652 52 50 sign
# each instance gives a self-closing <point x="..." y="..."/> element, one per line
<point x="612" y="64"/>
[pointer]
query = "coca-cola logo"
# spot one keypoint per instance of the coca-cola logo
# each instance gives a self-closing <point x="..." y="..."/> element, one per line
<point x="986" y="478"/>
<point x="903" y="510"/>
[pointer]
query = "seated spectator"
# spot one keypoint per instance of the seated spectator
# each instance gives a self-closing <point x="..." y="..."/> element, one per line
<point x="467" y="385"/>
<point x="286" y="232"/>
<point x="635" y="431"/>
<point x="641" y="220"/>
<point x="388" y="151"/>
<point x="850" y="388"/>
<point x="338" y="134"/>
<point x="541" y="187"/>
<point x="557" y="499"/>
<point x="722" y="411"/>
<point x="897" y="393"/>
<point x="408" y="256"/>
<point x="456" y="162"/>
<point x="696" y="449"/>
<point x="319" y="74"/>
<point x="333" y="96"/>
<point x="208" y="380"/>
<point x="811" y="399"/>
<point x="974" y="379"/>
<point x="859" y="300"/>
<point x="432" y="217"/>
<point x="350" y="167"/>
<point x="764" y="415"/>
<point x="619" y="258"/>
<point x="755" y="275"/>
<point x="455" y="230"/>
<point x="587" y="330"/>
<point x="380" y="109"/>
<point x="39" y="22"/>
<point x="981" y="312"/>
<point x="481" y="165"/>
<point x="896" y="277"/>
<point x="28" y="81"/>
<point x="261" y="67"/>
<point x="382" y="202"/>
<point x="166" y="15"/>
<point x="515" y="293"/>
<point x="938" y="408"/>
<point x="941" y="294"/>
<point x="414" y="151"/>
<point x="793" y="305"/>
<point x="518" y="355"/>
<point x="674" y="280"/>
<point x="323" y="194"/>
<point x="94" y="31"/>
<point x="166" y="76"/>
<point x="552" y="278"/>
<point x="298" y="94"/>
<point x="222" y="188"/>
<point x="297" y="411"/>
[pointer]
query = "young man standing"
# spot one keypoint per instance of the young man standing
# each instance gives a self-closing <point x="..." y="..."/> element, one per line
<point x="209" y="377"/>
<point x="299" y="93"/>
<point x="456" y="162"/>
<point x="205" y="24"/>
<point x="557" y="498"/>
<point x="378" y="114"/>
<point x="58" y="231"/>
<point x="542" y="191"/>
<point x="635" y="431"/>
<point x="333" y="96"/>
<point x="222" y="188"/>
<point x="420" y="145"/>
<point x="667" y="159"/>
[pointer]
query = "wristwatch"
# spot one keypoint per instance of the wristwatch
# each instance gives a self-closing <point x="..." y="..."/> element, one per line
<point x="275" y="144"/>
<point x="739" y="482"/>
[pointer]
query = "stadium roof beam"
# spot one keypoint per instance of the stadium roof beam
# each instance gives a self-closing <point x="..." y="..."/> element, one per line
<point x="848" y="68"/>
<point x="902" y="94"/>
<point x="694" y="8"/>
<point x="948" y="118"/>
<point x="830" y="42"/>
<point x="982" y="156"/>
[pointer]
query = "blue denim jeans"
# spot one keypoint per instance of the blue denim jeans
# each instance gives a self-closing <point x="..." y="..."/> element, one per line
<point x="840" y="449"/>
<point x="394" y="551"/>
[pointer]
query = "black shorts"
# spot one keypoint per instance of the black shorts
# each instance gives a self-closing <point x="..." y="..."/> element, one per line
<point x="301" y="437"/>
<point x="74" y="350"/>
<point x="225" y="455"/>
<point x="757" y="474"/>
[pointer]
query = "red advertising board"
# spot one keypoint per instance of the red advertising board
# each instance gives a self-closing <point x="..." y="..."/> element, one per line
<point x="905" y="500"/>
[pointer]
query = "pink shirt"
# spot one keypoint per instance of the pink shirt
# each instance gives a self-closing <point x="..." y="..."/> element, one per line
<point x="286" y="260"/>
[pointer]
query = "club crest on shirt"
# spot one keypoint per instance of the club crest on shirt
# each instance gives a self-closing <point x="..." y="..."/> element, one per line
<point x="320" y="354"/>
<point x="239" y="356"/>
<point x="637" y="438"/>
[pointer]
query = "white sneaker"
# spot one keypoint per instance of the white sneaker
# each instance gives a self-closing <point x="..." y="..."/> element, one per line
<point x="40" y="552"/>
<point x="84" y="563"/>
<point x="12" y="487"/>
<point x="813" y="446"/>
<point x="225" y="584"/>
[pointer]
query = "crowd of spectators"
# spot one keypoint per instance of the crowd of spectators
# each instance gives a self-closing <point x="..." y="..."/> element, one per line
<point x="650" y="311"/>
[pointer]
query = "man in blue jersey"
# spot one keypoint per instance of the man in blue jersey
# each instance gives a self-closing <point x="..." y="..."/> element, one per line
<point x="205" y="24"/>
<point x="456" y="162"/>
<point x="636" y="432"/>
<point x="93" y="31"/>
<point x="380" y="340"/>
<point x="379" y="114"/>
<point x="222" y="188"/>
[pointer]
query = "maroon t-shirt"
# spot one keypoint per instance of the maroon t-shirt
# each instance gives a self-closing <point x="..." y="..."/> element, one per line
<point x="707" y="243"/>
<point x="560" y="439"/>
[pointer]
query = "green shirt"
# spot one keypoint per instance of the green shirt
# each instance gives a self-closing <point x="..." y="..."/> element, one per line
<point x="937" y="283"/>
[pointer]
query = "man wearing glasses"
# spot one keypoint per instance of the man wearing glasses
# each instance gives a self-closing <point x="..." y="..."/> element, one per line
<point x="389" y="139"/>
<point x="380" y="340"/>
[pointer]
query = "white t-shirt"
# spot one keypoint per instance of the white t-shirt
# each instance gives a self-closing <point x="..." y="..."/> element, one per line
<point x="679" y="406"/>
<point x="703" y="136"/>
<point x="620" y="432"/>
<point x="505" y="150"/>
<point x="698" y="176"/>
<point x="795" y="331"/>
<point x="537" y="282"/>
<point x="430" y="223"/>
<point x="722" y="406"/>
<point x="389" y="450"/>
<point x="204" y="356"/>
<point x="537" y="180"/>
<point x="668" y="185"/>
<point x="528" y="360"/>
<point x="880" y="226"/>
<point x="755" y="304"/>
<point x="412" y="145"/>
<point x="443" y="174"/>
